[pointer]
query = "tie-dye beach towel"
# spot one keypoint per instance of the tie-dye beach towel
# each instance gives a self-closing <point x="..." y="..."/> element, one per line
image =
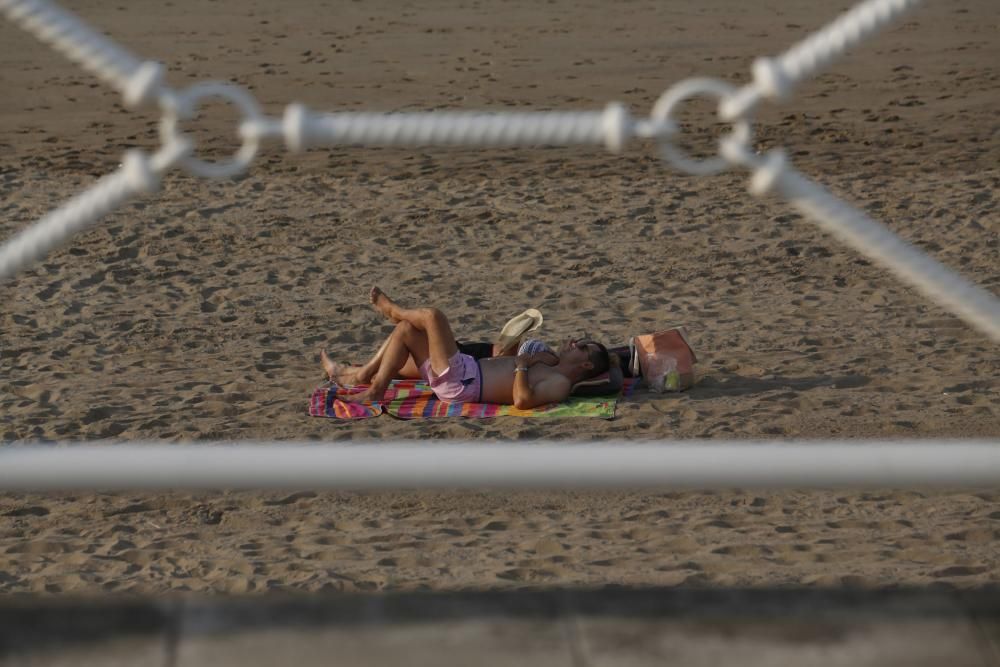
<point x="413" y="399"/>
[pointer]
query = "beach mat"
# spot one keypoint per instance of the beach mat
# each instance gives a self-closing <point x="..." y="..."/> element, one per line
<point x="413" y="399"/>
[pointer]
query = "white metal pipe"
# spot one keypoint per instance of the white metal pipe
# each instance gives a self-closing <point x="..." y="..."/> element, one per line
<point x="977" y="306"/>
<point x="775" y="78"/>
<point x="138" y="81"/>
<point x="304" y="129"/>
<point x="135" y="177"/>
<point x="733" y="464"/>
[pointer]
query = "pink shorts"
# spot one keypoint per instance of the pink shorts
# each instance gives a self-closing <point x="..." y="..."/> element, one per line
<point x="462" y="382"/>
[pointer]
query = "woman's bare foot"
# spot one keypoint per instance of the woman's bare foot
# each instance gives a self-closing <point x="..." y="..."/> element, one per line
<point x="383" y="304"/>
<point x="331" y="367"/>
<point x="339" y="373"/>
<point x="370" y="395"/>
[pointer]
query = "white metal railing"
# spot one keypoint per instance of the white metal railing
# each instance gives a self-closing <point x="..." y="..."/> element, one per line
<point x="679" y="464"/>
<point x="141" y="82"/>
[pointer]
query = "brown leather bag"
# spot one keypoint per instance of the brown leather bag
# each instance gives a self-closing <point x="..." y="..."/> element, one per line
<point x="665" y="359"/>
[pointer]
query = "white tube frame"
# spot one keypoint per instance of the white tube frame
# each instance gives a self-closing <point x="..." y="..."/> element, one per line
<point x="467" y="465"/>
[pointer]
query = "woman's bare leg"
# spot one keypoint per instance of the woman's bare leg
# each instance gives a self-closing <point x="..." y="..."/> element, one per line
<point x="441" y="345"/>
<point x="406" y="344"/>
<point x="350" y="375"/>
<point x="367" y="372"/>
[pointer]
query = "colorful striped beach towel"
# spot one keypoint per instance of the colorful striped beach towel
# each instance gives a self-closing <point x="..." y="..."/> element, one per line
<point x="413" y="399"/>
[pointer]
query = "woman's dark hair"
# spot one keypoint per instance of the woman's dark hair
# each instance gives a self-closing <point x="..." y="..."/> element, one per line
<point x="598" y="357"/>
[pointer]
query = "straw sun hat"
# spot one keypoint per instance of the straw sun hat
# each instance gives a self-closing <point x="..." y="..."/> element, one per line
<point x="519" y="325"/>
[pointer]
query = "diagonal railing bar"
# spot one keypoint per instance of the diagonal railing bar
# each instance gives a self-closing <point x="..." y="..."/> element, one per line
<point x="775" y="78"/>
<point x="138" y="81"/>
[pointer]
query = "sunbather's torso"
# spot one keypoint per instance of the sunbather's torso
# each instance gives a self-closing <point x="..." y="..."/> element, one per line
<point x="498" y="378"/>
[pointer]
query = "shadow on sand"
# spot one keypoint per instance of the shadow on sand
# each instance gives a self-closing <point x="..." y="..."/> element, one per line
<point x="729" y="384"/>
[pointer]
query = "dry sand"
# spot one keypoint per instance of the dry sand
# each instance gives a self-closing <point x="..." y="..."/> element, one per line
<point x="198" y="312"/>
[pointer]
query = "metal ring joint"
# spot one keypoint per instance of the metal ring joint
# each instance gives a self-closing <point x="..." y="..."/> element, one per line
<point x="184" y="105"/>
<point x="665" y="107"/>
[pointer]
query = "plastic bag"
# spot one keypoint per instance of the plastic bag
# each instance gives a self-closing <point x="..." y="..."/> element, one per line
<point x="661" y="375"/>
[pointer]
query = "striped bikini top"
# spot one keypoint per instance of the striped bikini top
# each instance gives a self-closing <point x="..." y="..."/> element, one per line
<point x="533" y="346"/>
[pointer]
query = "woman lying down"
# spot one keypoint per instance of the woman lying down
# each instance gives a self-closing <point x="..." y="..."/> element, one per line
<point x="423" y="346"/>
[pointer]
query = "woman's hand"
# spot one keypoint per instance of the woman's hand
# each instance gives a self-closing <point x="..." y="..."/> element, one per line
<point x="509" y="351"/>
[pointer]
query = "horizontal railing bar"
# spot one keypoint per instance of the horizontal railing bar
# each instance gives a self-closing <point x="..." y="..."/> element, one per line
<point x="393" y="465"/>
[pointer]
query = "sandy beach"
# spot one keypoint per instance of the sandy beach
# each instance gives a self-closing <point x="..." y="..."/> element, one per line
<point x="197" y="313"/>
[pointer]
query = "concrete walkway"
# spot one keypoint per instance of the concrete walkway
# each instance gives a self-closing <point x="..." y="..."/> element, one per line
<point x="576" y="628"/>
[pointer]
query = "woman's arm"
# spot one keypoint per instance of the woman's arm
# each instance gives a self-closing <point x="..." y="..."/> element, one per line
<point x="508" y="351"/>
